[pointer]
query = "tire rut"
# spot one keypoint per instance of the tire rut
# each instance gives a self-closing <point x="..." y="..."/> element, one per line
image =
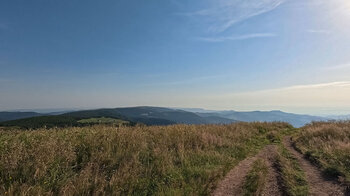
<point x="318" y="184"/>
<point x="233" y="182"/>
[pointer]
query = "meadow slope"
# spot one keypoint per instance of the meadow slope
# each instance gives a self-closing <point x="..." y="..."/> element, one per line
<point x="327" y="145"/>
<point x="106" y="160"/>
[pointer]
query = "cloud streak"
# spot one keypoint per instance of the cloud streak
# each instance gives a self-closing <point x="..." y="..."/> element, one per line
<point x="318" y="31"/>
<point x="304" y="87"/>
<point x="237" y="37"/>
<point x="318" y="86"/>
<point x="227" y="13"/>
<point x="321" y="95"/>
<point x="338" y="67"/>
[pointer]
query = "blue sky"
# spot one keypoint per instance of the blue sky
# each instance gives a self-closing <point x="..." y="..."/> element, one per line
<point x="291" y="55"/>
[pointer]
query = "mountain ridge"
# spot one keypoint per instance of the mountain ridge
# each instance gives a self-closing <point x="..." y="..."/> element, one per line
<point x="150" y="115"/>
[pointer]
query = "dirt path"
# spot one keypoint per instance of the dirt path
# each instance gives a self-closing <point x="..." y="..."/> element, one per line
<point x="317" y="183"/>
<point x="232" y="183"/>
<point x="272" y="187"/>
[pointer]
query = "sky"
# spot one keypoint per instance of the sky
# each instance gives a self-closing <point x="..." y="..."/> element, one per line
<point x="290" y="55"/>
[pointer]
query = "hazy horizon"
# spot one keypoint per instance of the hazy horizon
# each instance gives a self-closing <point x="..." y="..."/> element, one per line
<point x="324" y="113"/>
<point x="242" y="55"/>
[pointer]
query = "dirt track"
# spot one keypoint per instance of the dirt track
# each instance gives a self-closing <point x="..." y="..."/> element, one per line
<point x="319" y="185"/>
<point x="232" y="183"/>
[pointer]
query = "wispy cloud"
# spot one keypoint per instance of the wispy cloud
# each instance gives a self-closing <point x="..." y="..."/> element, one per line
<point x="304" y="87"/>
<point x="226" y="13"/>
<point x="321" y="95"/>
<point x="337" y="67"/>
<point x="318" y="31"/>
<point x="237" y="37"/>
<point x="321" y="85"/>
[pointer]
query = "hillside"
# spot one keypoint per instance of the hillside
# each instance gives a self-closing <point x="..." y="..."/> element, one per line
<point x="267" y="116"/>
<point x="148" y="114"/>
<point x="160" y="116"/>
<point x="143" y="115"/>
<point x="63" y="121"/>
<point x="6" y="116"/>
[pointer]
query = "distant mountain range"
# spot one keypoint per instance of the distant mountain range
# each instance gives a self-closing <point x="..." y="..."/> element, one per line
<point x="340" y="117"/>
<point x="296" y="120"/>
<point x="144" y="115"/>
<point x="152" y="116"/>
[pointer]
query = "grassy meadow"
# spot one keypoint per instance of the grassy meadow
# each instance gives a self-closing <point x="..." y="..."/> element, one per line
<point x="104" y="120"/>
<point x="141" y="160"/>
<point x="328" y="146"/>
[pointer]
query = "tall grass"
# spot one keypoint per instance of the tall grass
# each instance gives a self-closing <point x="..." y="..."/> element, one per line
<point x="104" y="160"/>
<point x="328" y="146"/>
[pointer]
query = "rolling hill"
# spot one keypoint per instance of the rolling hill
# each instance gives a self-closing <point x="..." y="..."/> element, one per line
<point x="154" y="116"/>
<point x="6" y="116"/>
<point x="296" y="120"/>
<point x="144" y="115"/>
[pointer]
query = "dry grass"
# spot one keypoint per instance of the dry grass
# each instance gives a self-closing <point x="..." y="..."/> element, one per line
<point x="328" y="146"/>
<point x="102" y="160"/>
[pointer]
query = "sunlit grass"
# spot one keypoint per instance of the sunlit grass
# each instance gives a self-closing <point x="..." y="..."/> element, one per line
<point x="103" y="120"/>
<point x="105" y="160"/>
<point x="328" y="146"/>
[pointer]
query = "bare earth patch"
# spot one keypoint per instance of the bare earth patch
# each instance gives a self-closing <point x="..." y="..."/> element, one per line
<point x="318" y="184"/>
<point x="232" y="183"/>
